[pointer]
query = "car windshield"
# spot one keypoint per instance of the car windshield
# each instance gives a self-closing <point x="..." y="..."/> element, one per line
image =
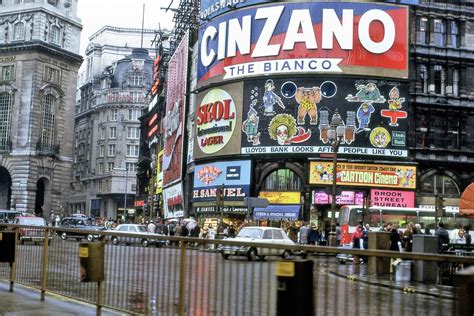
<point x="250" y="233"/>
<point x="142" y="229"/>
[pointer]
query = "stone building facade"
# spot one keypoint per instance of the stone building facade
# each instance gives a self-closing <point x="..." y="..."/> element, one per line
<point x="39" y="61"/>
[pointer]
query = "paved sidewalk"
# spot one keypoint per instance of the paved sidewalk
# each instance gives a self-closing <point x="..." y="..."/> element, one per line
<point x="26" y="301"/>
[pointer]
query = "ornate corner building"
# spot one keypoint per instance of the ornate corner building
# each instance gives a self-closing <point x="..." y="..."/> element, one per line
<point x="39" y="60"/>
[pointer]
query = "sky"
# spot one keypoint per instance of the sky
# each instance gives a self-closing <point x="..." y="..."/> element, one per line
<point x="122" y="13"/>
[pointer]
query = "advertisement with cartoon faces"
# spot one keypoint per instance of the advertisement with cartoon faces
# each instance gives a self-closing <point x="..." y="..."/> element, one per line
<point x="302" y="115"/>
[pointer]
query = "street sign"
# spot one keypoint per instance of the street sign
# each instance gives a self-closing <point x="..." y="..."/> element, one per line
<point x="255" y="202"/>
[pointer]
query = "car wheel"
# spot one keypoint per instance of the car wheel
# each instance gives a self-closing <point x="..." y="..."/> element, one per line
<point x="252" y="254"/>
<point x="63" y="236"/>
<point x="225" y="255"/>
<point x="115" y="241"/>
<point x="286" y="255"/>
<point x="90" y="237"/>
<point x="145" y="243"/>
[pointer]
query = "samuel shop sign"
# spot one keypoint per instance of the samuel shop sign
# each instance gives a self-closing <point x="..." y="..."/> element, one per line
<point x="215" y="122"/>
<point x="368" y="175"/>
<point x="308" y="37"/>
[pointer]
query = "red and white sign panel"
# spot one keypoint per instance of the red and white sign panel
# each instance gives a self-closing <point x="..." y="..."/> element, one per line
<point x="392" y="198"/>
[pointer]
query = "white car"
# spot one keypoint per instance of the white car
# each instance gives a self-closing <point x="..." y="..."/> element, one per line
<point x="145" y="237"/>
<point x="255" y="234"/>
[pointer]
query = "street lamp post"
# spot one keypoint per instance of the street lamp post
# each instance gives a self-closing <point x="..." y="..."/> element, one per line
<point x="335" y="136"/>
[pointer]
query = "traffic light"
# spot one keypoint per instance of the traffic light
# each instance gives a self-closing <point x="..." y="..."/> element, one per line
<point x="145" y="209"/>
<point x="439" y="204"/>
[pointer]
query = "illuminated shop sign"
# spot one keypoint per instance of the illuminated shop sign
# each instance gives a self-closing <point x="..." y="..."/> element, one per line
<point x="225" y="209"/>
<point x="293" y="116"/>
<point x="392" y="198"/>
<point x="215" y="121"/>
<point x="212" y="8"/>
<point x="231" y="176"/>
<point x="345" y="197"/>
<point x="368" y="175"/>
<point x="281" y="197"/>
<point x="309" y="37"/>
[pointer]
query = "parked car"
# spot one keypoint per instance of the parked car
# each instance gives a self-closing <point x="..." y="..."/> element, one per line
<point x="7" y="216"/>
<point x="248" y="236"/>
<point x="145" y="237"/>
<point x="81" y="224"/>
<point x="31" y="234"/>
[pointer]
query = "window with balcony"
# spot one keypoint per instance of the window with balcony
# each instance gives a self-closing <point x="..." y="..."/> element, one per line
<point x="132" y="150"/>
<point x="5" y="119"/>
<point x="7" y="73"/>
<point x="113" y="132"/>
<point x="111" y="150"/>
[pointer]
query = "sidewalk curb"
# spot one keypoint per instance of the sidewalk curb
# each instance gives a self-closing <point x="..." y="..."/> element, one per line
<point x="405" y="289"/>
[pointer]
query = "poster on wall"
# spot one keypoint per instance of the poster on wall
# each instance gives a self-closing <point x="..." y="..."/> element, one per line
<point x="217" y="121"/>
<point x="392" y="198"/>
<point x="345" y="197"/>
<point x="367" y="175"/>
<point x="231" y="176"/>
<point x="354" y="38"/>
<point x="173" y="203"/>
<point x="293" y="116"/>
<point x="173" y="126"/>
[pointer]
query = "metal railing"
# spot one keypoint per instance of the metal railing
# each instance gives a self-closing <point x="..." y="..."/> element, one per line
<point x="189" y="276"/>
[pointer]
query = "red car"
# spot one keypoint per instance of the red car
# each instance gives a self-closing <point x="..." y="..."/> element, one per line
<point x="31" y="234"/>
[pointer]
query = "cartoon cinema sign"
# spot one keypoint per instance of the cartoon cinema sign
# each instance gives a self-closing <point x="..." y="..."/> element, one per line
<point x="215" y="122"/>
<point x="316" y="37"/>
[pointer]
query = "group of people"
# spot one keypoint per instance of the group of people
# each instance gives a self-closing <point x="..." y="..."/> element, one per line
<point x="306" y="234"/>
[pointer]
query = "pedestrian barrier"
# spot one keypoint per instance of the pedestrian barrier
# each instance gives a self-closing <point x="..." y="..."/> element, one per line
<point x="170" y="275"/>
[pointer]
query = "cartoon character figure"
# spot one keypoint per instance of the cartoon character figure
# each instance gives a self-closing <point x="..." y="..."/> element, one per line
<point x="250" y="125"/>
<point x="380" y="137"/>
<point x="308" y="98"/>
<point x="270" y="98"/>
<point x="282" y="128"/>
<point x="367" y="93"/>
<point x="363" y="116"/>
<point x="394" y="106"/>
<point x="408" y="176"/>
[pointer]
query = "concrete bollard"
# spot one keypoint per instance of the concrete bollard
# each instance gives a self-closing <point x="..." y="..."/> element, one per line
<point x="380" y="241"/>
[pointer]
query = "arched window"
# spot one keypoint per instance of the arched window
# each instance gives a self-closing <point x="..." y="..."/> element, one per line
<point x="19" y="31"/>
<point x="48" y="122"/>
<point x="282" y="180"/>
<point x="440" y="184"/>
<point x="54" y="35"/>
<point x="5" y="119"/>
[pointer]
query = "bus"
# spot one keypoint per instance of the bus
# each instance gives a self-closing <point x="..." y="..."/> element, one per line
<point x="350" y="215"/>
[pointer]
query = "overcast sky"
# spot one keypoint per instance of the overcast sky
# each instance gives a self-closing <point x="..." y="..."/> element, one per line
<point x="122" y="13"/>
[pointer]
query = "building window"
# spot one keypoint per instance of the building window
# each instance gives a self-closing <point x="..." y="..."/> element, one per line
<point x="99" y="186"/>
<point x="52" y="75"/>
<point x="136" y="80"/>
<point x="100" y="166"/>
<point x="48" y="121"/>
<point x="19" y="32"/>
<point x="282" y="180"/>
<point x="136" y="97"/>
<point x="133" y="132"/>
<point x="133" y="114"/>
<point x="454" y="33"/>
<point x="439" y="79"/>
<point x="6" y="73"/>
<point x="110" y="166"/>
<point x="440" y="184"/>
<point x="422" y="27"/>
<point x="114" y="115"/>
<point x="102" y="133"/>
<point x="113" y="132"/>
<point x="54" y="35"/>
<point x="132" y="150"/>
<point x="455" y="82"/>
<point x="438" y="32"/>
<point x="101" y="150"/>
<point x="111" y="150"/>
<point x="5" y="119"/>
<point x="131" y="166"/>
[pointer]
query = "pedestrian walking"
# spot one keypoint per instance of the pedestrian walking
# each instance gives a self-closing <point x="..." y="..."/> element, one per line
<point x="338" y="234"/>
<point x="395" y="239"/>
<point x="313" y="235"/>
<point x="303" y="234"/>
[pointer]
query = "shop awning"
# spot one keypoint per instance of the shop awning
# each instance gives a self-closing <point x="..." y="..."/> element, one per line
<point x="466" y="205"/>
<point x="277" y="213"/>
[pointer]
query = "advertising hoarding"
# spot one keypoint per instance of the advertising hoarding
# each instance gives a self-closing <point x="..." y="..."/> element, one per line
<point x="212" y="8"/>
<point x="173" y="204"/>
<point x="217" y="121"/>
<point x="345" y="197"/>
<point x="175" y="105"/>
<point x="368" y="175"/>
<point x="309" y="37"/>
<point x="392" y="198"/>
<point x="293" y="116"/>
<point x="232" y="176"/>
<point x="281" y="197"/>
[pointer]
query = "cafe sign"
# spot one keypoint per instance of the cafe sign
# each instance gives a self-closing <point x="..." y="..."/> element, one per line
<point x="367" y="175"/>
